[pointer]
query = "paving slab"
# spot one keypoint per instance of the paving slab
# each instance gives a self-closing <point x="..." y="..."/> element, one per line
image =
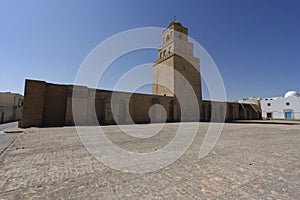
<point x="250" y="161"/>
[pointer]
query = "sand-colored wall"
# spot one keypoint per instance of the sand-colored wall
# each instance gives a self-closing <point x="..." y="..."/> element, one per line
<point x="33" y="103"/>
<point x="55" y="101"/>
<point x="48" y="104"/>
<point x="11" y="105"/>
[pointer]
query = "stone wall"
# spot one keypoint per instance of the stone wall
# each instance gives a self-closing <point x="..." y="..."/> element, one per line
<point x="48" y="104"/>
<point x="11" y="105"/>
<point x="33" y="105"/>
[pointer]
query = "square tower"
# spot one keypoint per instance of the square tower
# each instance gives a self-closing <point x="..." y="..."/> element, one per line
<point x="177" y="53"/>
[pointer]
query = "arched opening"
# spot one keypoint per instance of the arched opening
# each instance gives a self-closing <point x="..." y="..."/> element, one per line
<point x="167" y="38"/>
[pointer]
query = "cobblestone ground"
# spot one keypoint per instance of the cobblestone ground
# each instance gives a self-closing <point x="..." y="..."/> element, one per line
<point x="250" y="161"/>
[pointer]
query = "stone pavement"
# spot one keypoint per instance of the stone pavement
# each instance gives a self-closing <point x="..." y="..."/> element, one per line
<point x="7" y="139"/>
<point x="250" y="161"/>
<point x="7" y="125"/>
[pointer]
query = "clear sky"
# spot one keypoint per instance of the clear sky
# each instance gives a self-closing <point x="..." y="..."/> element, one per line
<point x="255" y="43"/>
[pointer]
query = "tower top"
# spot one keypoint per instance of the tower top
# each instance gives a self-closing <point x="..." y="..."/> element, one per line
<point x="177" y="26"/>
<point x="175" y="23"/>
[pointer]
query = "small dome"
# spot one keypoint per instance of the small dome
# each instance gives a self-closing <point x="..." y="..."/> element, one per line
<point x="175" y="23"/>
<point x="291" y="94"/>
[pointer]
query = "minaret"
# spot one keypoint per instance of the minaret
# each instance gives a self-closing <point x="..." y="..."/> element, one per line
<point x="178" y="53"/>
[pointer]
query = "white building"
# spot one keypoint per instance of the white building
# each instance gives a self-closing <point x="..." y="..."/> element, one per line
<point x="287" y="107"/>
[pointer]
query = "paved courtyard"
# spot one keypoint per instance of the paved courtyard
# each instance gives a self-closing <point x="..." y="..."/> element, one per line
<point x="250" y="161"/>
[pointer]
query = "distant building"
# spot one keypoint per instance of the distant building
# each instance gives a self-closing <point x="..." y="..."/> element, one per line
<point x="251" y="100"/>
<point x="287" y="107"/>
<point x="10" y="107"/>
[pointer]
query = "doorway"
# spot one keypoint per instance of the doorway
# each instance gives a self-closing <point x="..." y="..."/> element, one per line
<point x="269" y="115"/>
<point x="288" y="115"/>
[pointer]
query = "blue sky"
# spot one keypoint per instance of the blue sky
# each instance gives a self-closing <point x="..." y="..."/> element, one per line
<point x="255" y="43"/>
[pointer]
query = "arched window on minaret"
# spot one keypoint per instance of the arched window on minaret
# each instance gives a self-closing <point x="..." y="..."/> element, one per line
<point x="167" y="38"/>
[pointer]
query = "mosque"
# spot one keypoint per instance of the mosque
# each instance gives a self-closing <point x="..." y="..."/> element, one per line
<point x="176" y="95"/>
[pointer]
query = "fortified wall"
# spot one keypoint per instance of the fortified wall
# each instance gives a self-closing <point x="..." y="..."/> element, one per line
<point x="47" y="104"/>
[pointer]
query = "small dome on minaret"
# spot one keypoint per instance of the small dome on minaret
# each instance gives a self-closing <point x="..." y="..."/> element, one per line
<point x="175" y="23"/>
<point x="177" y="26"/>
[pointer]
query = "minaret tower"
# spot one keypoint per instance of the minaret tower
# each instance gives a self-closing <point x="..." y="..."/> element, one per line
<point x="177" y="53"/>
